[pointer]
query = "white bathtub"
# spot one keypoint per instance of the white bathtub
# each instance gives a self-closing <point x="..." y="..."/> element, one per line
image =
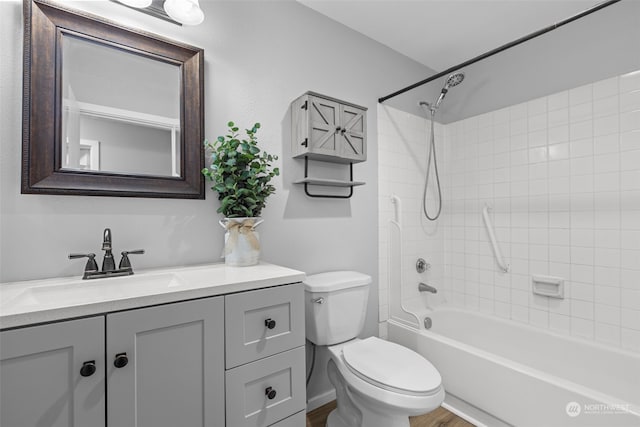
<point x="526" y="376"/>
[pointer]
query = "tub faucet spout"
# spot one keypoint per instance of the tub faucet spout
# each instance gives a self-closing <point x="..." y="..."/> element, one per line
<point x="423" y="287"/>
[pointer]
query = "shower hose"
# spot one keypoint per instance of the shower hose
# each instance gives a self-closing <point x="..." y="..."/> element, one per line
<point x="432" y="154"/>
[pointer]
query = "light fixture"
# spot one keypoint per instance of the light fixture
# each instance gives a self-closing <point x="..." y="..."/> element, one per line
<point x="136" y="3"/>
<point x="186" y="12"/>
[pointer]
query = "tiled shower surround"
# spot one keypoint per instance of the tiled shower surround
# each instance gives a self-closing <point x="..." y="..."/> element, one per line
<point x="562" y="177"/>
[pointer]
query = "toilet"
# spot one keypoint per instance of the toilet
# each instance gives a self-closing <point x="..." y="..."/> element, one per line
<point x="378" y="383"/>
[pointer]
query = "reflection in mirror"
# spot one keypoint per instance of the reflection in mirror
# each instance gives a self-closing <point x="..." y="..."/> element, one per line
<point x="120" y="111"/>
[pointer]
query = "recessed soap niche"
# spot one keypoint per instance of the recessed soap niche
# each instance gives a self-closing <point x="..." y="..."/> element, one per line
<point x="548" y="286"/>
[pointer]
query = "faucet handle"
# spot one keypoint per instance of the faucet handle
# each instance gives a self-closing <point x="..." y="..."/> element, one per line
<point x="91" y="265"/>
<point x="124" y="261"/>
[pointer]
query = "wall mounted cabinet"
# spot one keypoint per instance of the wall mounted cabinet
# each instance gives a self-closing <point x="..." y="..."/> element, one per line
<point x="325" y="128"/>
<point x="162" y="365"/>
<point x="328" y="130"/>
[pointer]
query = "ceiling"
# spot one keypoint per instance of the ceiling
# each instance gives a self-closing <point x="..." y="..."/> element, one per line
<point x="442" y="33"/>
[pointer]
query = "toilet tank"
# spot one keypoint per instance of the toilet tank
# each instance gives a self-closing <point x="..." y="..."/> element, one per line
<point x="335" y="306"/>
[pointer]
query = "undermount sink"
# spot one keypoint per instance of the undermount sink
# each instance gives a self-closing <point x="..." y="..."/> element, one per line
<point x="84" y="292"/>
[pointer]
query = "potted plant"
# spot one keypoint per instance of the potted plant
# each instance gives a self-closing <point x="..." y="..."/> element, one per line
<point x="241" y="175"/>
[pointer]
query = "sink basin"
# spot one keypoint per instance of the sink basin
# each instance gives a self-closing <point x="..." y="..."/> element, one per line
<point x="87" y="291"/>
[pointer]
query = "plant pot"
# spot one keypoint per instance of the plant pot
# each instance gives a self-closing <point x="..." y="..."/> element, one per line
<point x="241" y="241"/>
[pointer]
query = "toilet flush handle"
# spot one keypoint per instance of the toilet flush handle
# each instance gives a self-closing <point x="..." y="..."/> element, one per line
<point x="319" y="300"/>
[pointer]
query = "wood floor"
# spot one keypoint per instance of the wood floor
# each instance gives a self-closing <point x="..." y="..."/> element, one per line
<point x="438" y="418"/>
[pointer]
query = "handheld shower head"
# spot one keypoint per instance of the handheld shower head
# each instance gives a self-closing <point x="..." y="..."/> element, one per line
<point x="453" y="80"/>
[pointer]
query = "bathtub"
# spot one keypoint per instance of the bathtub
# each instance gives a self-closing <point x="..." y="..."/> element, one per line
<point x="526" y="376"/>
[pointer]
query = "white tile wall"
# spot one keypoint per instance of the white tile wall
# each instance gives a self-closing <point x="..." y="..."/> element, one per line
<point x="402" y="144"/>
<point x="562" y="174"/>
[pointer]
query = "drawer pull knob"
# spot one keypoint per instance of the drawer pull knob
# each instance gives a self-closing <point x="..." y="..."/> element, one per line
<point x="121" y="360"/>
<point x="88" y="368"/>
<point x="270" y="392"/>
<point x="270" y="323"/>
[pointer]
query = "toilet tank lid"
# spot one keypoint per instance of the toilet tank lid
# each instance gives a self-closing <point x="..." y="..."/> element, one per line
<point x="335" y="281"/>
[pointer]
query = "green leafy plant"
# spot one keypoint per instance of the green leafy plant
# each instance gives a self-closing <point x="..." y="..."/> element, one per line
<point x="240" y="173"/>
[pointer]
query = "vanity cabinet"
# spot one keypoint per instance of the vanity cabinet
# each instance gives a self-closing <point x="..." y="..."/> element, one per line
<point x="174" y="374"/>
<point x="162" y="365"/>
<point x="265" y="377"/>
<point x="40" y="378"/>
<point x="325" y="128"/>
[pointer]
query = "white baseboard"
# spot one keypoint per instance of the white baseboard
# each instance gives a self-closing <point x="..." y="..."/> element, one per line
<point x="322" y="399"/>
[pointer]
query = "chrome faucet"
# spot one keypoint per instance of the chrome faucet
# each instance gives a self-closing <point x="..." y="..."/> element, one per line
<point x="423" y="287"/>
<point x="108" y="263"/>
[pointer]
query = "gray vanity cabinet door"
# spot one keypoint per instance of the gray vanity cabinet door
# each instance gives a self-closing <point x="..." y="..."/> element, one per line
<point x="40" y="380"/>
<point x="174" y="376"/>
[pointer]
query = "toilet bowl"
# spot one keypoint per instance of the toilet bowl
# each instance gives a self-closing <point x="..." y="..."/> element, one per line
<point x="386" y="383"/>
<point x="378" y="383"/>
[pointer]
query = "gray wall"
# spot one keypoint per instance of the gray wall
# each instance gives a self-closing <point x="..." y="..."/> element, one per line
<point x="259" y="56"/>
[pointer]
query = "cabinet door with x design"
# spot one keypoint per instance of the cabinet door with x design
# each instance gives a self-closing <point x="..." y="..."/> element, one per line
<point x="328" y="129"/>
<point x="353" y="128"/>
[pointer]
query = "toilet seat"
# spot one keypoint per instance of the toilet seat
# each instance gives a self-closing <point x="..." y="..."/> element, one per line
<point x="391" y="367"/>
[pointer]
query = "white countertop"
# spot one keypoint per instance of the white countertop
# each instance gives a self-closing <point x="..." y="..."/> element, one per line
<point x="37" y="301"/>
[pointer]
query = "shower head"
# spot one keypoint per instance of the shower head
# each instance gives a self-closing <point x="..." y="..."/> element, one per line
<point x="453" y="80"/>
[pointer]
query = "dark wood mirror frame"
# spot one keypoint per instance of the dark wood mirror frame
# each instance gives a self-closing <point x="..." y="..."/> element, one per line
<point x="44" y="25"/>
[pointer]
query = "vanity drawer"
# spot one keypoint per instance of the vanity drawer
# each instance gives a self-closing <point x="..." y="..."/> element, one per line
<point x="263" y="392"/>
<point x="262" y="323"/>
<point x="297" y="420"/>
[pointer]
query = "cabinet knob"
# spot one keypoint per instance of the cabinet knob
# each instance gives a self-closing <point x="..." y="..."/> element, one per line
<point x="270" y="393"/>
<point x="338" y="129"/>
<point x="88" y="368"/>
<point x="270" y="323"/>
<point x="121" y="360"/>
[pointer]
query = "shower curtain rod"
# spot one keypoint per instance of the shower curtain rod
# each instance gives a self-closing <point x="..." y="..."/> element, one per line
<point x="504" y="47"/>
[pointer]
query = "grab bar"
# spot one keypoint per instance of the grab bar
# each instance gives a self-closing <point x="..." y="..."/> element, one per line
<point x="492" y="237"/>
<point x="397" y="209"/>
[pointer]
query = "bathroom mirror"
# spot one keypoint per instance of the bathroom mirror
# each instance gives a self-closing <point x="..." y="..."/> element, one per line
<point x="108" y="110"/>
